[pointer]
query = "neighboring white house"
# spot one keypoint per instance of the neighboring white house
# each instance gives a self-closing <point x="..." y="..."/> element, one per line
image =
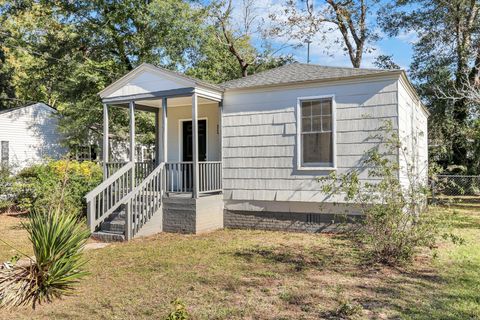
<point x="28" y="135"/>
<point x="261" y="142"/>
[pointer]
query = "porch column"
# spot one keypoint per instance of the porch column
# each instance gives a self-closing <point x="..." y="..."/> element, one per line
<point x="164" y="131"/>
<point x="157" y="138"/>
<point x="131" y="109"/>
<point x="105" y="141"/>
<point x="195" y="145"/>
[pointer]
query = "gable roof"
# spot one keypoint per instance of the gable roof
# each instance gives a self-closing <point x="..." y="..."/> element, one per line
<point x="173" y="75"/>
<point x="298" y="73"/>
<point x="35" y="105"/>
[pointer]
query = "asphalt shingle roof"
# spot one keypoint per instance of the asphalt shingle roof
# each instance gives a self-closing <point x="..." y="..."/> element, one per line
<point x="297" y="72"/>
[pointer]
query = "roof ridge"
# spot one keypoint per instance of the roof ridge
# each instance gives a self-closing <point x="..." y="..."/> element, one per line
<point x="3" y="111"/>
<point x="301" y="72"/>
<point x="341" y="67"/>
<point x="301" y="64"/>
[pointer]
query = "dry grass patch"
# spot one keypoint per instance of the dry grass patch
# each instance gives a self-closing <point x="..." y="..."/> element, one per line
<point x="14" y="234"/>
<point x="238" y="274"/>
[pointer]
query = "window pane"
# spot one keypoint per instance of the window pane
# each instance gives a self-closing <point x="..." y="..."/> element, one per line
<point x="326" y="107"/>
<point x="316" y="108"/>
<point x="317" y="148"/>
<point x="306" y="124"/>
<point x="306" y="108"/>
<point x="326" y="123"/>
<point x="317" y="123"/>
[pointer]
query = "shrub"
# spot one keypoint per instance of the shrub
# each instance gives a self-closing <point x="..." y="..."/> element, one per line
<point x="36" y="187"/>
<point x="180" y="312"/>
<point x="393" y="225"/>
<point x="6" y="201"/>
<point x="57" y="239"/>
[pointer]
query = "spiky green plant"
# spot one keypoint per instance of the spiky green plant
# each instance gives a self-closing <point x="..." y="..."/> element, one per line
<point x="58" y="239"/>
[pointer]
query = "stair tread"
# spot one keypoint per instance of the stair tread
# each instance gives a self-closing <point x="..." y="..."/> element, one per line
<point x="108" y="236"/>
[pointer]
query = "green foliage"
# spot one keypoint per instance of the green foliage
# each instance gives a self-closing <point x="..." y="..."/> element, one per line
<point x="6" y="201"/>
<point x="180" y="311"/>
<point x="58" y="238"/>
<point x="64" y="52"/>
<point x="394" y="224"/>
<point x="348" y="309"/>
<point x="36" y="187"/>
<point x="445" y="59"/>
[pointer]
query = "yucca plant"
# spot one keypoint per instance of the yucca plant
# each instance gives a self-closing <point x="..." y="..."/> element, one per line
<point x="57" y="238"/>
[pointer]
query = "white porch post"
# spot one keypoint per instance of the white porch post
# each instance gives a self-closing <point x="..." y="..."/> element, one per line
<point x="164" y="130"/>
<point x="132" y="139"/>
<point x="195" y="145"/>
<point x="157" y="138"/>
<point x="105" y="141"/>
<point x="220" y="131"/>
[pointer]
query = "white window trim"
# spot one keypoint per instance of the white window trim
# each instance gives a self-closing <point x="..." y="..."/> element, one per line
<point x="300" y="165"/>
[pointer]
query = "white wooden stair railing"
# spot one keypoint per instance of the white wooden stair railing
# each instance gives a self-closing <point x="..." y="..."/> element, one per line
<point x="144" y="201"/>
<point x="109" y="195"/>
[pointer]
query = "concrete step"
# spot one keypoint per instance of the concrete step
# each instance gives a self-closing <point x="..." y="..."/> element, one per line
<point x="108" y="236"/>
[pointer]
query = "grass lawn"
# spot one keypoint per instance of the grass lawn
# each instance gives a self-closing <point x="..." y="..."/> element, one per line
<point x="235" y="274"/>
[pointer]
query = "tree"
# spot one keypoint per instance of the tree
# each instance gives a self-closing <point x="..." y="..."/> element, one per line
<point x="65" y="52"/>
<point x="7" y="91"/>
<point x="237" y="38"/>
<point x="385" y="62"/>
<point x="349" y="17"/>
<point x="446" y="57"/>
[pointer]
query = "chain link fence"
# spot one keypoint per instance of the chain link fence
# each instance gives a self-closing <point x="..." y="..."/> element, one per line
<point x="455" y="186"/>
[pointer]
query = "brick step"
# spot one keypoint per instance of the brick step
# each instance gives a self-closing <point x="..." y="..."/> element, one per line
<point x="108" y="236"/>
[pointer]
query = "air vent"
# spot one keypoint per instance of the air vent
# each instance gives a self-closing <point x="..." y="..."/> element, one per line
<point x="314" y="218"/>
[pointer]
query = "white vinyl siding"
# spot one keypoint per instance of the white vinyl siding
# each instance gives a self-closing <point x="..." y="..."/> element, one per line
<point x="32" y="135"/>
<point x="260" y="156"/>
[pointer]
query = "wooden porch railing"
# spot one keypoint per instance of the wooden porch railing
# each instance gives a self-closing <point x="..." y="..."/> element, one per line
<point x="109" y="195"/>
<point x="142" y="169"/>
<point x="179" y="176"/>
<point x="144" y="201"/>
<point x="210" y="176"/>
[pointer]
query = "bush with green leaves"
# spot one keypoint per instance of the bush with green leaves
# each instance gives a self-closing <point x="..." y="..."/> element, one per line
<point x="36" y="186"/>
<point x="180" y="311"/>
<point x="393" y="226"/>
<point x="6" y="180"/>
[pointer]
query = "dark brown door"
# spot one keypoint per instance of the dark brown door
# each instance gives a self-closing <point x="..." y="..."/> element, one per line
<point x="187" y="153"/>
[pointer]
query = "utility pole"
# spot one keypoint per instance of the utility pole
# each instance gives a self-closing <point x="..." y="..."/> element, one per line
<point x="308" y="41"/>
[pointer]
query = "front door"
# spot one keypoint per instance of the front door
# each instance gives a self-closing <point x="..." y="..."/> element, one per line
<point x="187" y="148"/>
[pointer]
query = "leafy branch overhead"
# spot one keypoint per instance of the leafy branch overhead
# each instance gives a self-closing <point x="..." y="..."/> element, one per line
<point x="350" y="18"/>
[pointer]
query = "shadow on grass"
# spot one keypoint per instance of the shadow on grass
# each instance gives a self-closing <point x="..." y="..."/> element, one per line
<point x="341" y="256"/>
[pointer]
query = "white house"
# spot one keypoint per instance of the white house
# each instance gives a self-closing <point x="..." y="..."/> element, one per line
<point x="252" y="154"/>
<point x="28" y="135"/>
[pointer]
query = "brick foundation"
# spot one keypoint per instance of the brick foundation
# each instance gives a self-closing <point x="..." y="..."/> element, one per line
<point x="288" y="221"/>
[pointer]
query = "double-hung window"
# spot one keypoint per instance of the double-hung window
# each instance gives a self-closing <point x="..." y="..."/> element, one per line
<point x="316" y="132"/>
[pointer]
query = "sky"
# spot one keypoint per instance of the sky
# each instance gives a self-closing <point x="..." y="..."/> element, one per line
<point x="399" y="47"/>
